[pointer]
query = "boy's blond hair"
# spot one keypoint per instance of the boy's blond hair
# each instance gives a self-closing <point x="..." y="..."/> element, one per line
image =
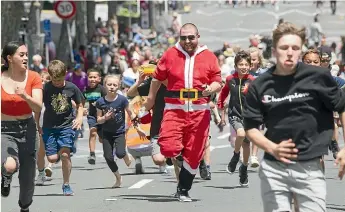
<point x="57" y="69"/>
<point x="287" y="28"/>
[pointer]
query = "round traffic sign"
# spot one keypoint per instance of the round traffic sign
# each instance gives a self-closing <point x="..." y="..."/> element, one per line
<point x="65" y="9"/>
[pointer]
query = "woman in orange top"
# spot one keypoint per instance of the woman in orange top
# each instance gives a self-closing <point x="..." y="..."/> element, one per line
<point x="21" y="94"/>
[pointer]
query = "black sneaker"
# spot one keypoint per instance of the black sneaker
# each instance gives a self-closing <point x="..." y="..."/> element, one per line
<point x="334" y="147"/>
<point x="6" y="185"/>
<point x="204" y="171"/>
<point x="233" y="163"/>
<point x="183" y="195"/>
<point x="92" y="159"/>
<point x="243" y="173"/>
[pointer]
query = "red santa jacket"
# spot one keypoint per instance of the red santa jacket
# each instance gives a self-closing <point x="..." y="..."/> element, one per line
<point x="185" y="72"/>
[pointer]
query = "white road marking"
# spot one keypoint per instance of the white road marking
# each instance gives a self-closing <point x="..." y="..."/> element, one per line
<point x="224" y="136"/>
<point x="110" y="199"/>
<point x="141" y="183"/>
<point x="219" y="147"/>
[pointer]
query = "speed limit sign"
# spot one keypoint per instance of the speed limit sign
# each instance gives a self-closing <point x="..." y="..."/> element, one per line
<point x="65" y="9"/>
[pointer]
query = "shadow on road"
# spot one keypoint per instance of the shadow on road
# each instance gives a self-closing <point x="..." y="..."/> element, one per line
<point x="225" y="187"/>
<point x="145" y="173"/>
<point x="100" y="188"/>
<point x="152" y="198"/>
<point x="48" y="195"/>
<point x="89" y="169"/>
<point x="336" y="207"/>
<point x="174" y="181"/>
<point x="225" y="172"/>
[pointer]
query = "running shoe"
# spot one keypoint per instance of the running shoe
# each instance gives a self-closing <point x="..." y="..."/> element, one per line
<point x="254" y="162"/>
<point x="138" y="166"/>
<point x="67" y="191"/>
<point x="92" y="159"/>
<point x="243" y="173"/>
<point x="5" y="185"/>
<point x="233" y="163"/>
<point x="48" y="171"/>
<point x="41" y="178"/>
<point x="183" y="195"/>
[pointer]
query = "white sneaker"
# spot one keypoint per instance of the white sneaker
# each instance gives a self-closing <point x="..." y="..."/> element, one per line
<point x="254" y="162"/>
<point x="41" y="178"/>
<point x="48" y="171"/>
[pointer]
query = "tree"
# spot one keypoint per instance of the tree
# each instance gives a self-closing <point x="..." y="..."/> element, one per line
<point x="91" y="22"/>
<point x="34" y="41"/>
<point x="63" y="50"/>
<point x="112" y="7"/>
<point x="11" y="14"/>
<point x="80" y="23"/>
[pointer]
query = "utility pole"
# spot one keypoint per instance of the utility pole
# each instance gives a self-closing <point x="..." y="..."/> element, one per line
<point x="152" y="9"/>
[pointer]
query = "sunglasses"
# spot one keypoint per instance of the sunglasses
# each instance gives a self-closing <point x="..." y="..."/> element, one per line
<point x="325" y="60"/>
<point x="190" y="37"/>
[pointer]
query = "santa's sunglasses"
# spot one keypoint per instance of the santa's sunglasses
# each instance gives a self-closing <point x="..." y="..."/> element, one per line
<point x="190" y="37"/>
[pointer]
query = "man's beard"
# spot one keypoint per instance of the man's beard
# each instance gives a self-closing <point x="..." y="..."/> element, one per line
<point x="189" y="48"/>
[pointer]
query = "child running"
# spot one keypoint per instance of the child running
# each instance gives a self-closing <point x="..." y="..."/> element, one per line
<point x="93" y="92"/>
<point x="111" y="114"/>
<point x="58" y="119"/>
<point x="237" y="86"/>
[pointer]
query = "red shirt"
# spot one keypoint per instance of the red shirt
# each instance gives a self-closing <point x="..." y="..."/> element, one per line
<point x="13" y="104"/>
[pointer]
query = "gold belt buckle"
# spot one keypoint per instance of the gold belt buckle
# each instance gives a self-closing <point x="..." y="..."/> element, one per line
<point x="189" y="90"/>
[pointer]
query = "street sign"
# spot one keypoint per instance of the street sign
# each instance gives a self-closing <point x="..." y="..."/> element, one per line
<point x="65" y="9"/>
<point x="47" y="31"/>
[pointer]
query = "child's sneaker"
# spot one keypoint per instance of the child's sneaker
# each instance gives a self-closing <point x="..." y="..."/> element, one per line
<point x="67" y="191"/>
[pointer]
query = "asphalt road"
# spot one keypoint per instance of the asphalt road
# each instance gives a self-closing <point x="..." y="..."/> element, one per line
<point x="234" y="25"/>
<point x="151" y="191"/>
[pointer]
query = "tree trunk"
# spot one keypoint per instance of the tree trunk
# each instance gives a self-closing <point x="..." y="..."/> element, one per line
<point x="35" y="43"/>
<point x="112" y="7"/>
<point x="80" y="23"/>
<point x="63" y="49"/>
<point x="91" y="22"/>
<point x="11" y="14"/>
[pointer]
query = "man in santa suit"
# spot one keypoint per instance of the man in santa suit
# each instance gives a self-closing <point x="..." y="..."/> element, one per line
<point x="193" y="74"/>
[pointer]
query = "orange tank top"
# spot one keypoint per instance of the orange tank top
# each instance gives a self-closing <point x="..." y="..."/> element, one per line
<point x="13" y="104"/>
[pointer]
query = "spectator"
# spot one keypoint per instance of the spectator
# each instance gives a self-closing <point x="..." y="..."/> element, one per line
<point x="78" y="77"/>
<point x="37" y="65"/>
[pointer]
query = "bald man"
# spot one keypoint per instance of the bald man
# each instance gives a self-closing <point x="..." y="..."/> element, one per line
<point x="193" y="74"/>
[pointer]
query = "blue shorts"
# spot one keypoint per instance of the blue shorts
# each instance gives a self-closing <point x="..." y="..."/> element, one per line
<point x="55" y="139"/>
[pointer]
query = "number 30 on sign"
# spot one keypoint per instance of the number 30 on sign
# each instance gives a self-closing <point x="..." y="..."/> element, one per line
<point x="65" y="9"/>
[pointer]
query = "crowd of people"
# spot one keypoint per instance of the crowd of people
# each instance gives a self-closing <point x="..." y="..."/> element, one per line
<point x="290" y="108"/>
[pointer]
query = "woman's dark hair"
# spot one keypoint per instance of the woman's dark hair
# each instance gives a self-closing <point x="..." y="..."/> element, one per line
<point x="9" y="49"/>
<point x="311" y="51"/>
<point x="242" y="55"/>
